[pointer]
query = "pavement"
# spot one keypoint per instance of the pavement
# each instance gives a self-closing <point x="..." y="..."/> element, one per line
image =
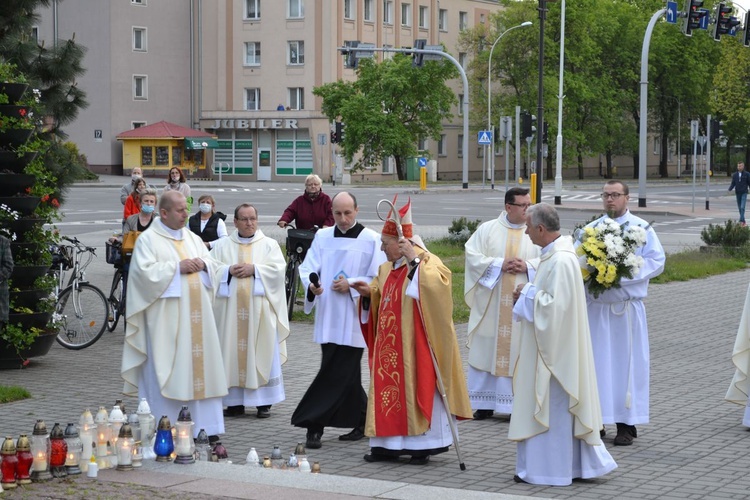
<point x="694" y="447"/>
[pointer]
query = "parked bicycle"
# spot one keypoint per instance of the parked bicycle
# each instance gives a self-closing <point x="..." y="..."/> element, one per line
<point x="82" y="305"/>
<point x="116" y="298"/>
<point x="298" y="242"/>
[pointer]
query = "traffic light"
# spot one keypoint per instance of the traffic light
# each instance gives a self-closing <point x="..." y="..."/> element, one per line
<point x="716" y="131"/>
<point x="350" y="53"/>
<point x="334" y="138"/>
<point x="693" y="16"/>
<point x="724" y="21"/>
<point x="746" y="35"/>
<point x="545" y="129"/>
<point x="340" y="131"/>
<point x="527" y="124"/>
<point x="417" y="59"/>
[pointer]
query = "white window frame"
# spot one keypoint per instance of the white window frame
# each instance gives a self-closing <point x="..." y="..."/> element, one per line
<point x="460" y="105"/>
<point x="657" y="145"/>
<point x="424" y="17"/>
<point x="387" y="165"/>
<point x="388" y="12"/>
<point x="256" y="91"/>
<point x="406" y="15"/>
<point x="295" y="9"/>
<point x="300" y="46"/>
<point x="138" y="2"/>
<point x="463" y="21"/>
<point x="256" y="8"/>
<point x="144" y="39"/>
<point x="367" y="10"/>
<point x="350" y="11"/>
<point x="441" y="146"/>
<point x="443" y="19"/>
<point x="143" y="96"/>
<point x="462" y="59"/>
<point x="296" y="98"/>
<point x="423" y="145"/>
<point x="255" y="61"/>
<point x="138" y="124"/>
<point x="460" y="149"/>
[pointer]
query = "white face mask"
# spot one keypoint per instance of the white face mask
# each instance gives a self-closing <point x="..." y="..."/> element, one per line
<point x="134" y="176"/>
<point x="205" y="207"/>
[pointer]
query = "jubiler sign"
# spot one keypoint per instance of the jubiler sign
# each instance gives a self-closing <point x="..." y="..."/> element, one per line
<point x="239" y="124"/>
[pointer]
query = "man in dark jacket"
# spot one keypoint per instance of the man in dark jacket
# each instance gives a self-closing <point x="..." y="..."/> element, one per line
<point x="311" y="209"/>
<point x="740" y="182"/>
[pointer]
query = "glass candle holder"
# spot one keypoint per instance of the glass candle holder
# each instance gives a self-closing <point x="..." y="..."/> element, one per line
<point x="8" y="464"/>
<point x="25" y="459"/>
<point x="58" y="451"/>
<point x="40" y="450"/>
<point x="163" y="446"/>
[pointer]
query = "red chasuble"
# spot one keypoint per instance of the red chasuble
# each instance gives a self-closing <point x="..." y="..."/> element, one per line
<point x="401" y="365"/>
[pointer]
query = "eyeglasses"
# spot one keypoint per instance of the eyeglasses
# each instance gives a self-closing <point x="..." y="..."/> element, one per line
<point x="247" y="219"/>
<point x="522" y="205"/>
<point x="614" y="196"/>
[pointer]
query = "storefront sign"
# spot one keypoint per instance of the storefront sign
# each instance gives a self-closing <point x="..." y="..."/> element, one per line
<point x="240" y="124"/>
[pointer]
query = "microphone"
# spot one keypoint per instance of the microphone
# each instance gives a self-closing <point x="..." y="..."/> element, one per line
<point x="315" y="279"/>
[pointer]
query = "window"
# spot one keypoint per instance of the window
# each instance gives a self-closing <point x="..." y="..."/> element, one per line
<point x="35" y="33"/>
<point x="463" y="21"/>
<point x="296" y="52"/>
<point x="460" y="148"/>
<point x="368" y="10"/>
<point x="462" y="59"/>
<point x="252" y="9"/>
<point x="252" y="53"/>
<point x="252" y="99"/>
<point x="296" y="9"/>
<point x="349" y="9"/>
<point x="424" y="17"/>
<point x="388" y="55"/>
<point x="388" y="165"/>
<point x="481" y="18"/>
<point x="441" y="146"/>
<point x="422" y="145"/>
<point x="139" y="39"/>
<point x="443" y="20"/>
<point x="387" y="12"/>
<point x="140" y="87"/>
<point x="460" y="105"/>
<point x="138" y="2"/>
<point x="405" y="14"/>
<point x="657" y="146"/>
<point x="135" y="125"/>
<point x="296" y="98"/>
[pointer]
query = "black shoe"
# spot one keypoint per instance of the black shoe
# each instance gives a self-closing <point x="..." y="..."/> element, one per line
<point x="419" y="460"/>
<point x="234" y="411"/>
<point x="213" y="439"/>
<point x="625" y="435"/>
<point x="483" y="414"/>
<point x="313" y="440"/>
<point x="602" y="433"/>
<point x="263" y="411"/>
<point x="518" y="479"/>
<point x="355" y="435"/>
<point x="377" y="457"/>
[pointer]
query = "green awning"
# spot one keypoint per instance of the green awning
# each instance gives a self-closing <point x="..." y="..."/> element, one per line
<point x="201" y="143"/>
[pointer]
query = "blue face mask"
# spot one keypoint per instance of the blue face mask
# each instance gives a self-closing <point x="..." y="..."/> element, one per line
<point x="147" y="209"/>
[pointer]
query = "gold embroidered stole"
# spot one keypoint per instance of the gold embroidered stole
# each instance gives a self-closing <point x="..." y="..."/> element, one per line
<point x="196" y="324"/>
<point x="505" y="325"/>
<point x="244" y="294"/>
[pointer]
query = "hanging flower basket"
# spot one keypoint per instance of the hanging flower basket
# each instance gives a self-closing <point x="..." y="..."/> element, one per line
<point x="9" y="160"/>
<point x="24" y="276"/>
<point x="12" y="138"/>
<point x="10" y="359"/>
<point x="28" y="298"/>
<point x="26" y="224"/>
<point x="14" y="91"/>
<point x="11" y="184"/>
<point x="23" y="204"/>
<point x="13" y="111"/>
<point x="30" y="320"/>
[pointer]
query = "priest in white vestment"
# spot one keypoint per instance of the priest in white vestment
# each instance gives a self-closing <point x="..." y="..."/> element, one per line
<point x="250" y="310"/>
<point x="739" y="389"/>
<point x="172" y="355"/>
<point x="619" y="330"/>
<point x="499" y="257"/>
<point x="339" y="255"/>
<point x="556" y="411"/>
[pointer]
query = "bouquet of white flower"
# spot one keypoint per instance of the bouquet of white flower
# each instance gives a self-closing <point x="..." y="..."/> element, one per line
<point x="607" y="254"/>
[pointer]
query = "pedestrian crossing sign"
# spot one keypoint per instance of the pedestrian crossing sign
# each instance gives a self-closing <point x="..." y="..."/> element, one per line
<point x="484" y="137"/>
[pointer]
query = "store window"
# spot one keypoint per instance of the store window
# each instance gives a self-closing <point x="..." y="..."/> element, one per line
<point x="293" y="153"/>
<point x="147" y="156"/>
<point x="162" y="156"/>
<point x="176" y="156"/>
<point x="235" y="152"/>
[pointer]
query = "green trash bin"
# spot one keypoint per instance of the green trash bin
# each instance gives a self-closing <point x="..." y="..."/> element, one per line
<point x="412" y="169"/>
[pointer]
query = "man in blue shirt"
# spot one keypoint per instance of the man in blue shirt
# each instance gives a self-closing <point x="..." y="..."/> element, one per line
<point x="740" y="182"/>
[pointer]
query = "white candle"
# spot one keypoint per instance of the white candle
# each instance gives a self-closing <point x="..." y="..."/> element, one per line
<point x="183" y="446"/>
<point x="40" y="461"/>
<point x="124" y="456"/>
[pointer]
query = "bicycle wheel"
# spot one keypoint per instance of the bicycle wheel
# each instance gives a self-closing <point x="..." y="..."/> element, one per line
<point x="115" y="301"/>
<point x="292" y="287"/>
<point x="85" y="312"/>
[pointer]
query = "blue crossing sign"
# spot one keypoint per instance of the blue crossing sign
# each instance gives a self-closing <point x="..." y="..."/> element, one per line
<point x="672" y="12"/>
<point x="704" y="19"/>
<point x="422" y="161"/>
<point x="484" y="137"/>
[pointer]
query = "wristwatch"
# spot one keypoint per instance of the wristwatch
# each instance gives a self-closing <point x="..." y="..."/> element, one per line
<point x="415" y="262"/>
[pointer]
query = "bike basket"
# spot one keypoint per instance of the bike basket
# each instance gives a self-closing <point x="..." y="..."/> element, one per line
<point x="299" y="240"/>
<point x="61" y="254"/>
<point x="114" y="253"/>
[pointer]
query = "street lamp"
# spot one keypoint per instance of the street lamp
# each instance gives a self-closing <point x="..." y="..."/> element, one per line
<point x="491" y="160"/>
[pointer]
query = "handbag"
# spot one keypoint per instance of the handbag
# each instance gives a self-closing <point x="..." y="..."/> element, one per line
<point x="128" y="242"/>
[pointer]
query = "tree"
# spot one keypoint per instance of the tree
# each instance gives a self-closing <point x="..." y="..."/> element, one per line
<point x="389" y="108"/>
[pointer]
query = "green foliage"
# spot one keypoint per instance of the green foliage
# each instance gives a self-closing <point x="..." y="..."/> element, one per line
<point x="389" y="108"/>
<point x="461" y="229"/>
<point x="10" y="393"/>
<point x="731" y="234"/>
<point x="18" y="337"/>
<point x="693" y="264"/>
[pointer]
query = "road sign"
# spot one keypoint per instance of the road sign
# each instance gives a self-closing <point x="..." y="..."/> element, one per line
<point x="422" y="161"/>
<point x="672" y="12"/>
<point x="705" y="19"/>
<point x="484" y="137"/>
<point x="733" y="30"/>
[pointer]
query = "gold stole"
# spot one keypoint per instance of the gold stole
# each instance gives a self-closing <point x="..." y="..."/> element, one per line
<point x="196" y="324"/>
<point x="243" y="314"/>
<point x="505" y="325"/>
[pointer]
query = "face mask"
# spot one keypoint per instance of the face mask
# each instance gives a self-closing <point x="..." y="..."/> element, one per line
<point x="147" y="209"/>
<point x="205" y="208"/>
<point x="134" y="176"/>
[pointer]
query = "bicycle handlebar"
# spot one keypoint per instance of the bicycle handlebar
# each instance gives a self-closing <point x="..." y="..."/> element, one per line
<point x="80" y="246"/>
